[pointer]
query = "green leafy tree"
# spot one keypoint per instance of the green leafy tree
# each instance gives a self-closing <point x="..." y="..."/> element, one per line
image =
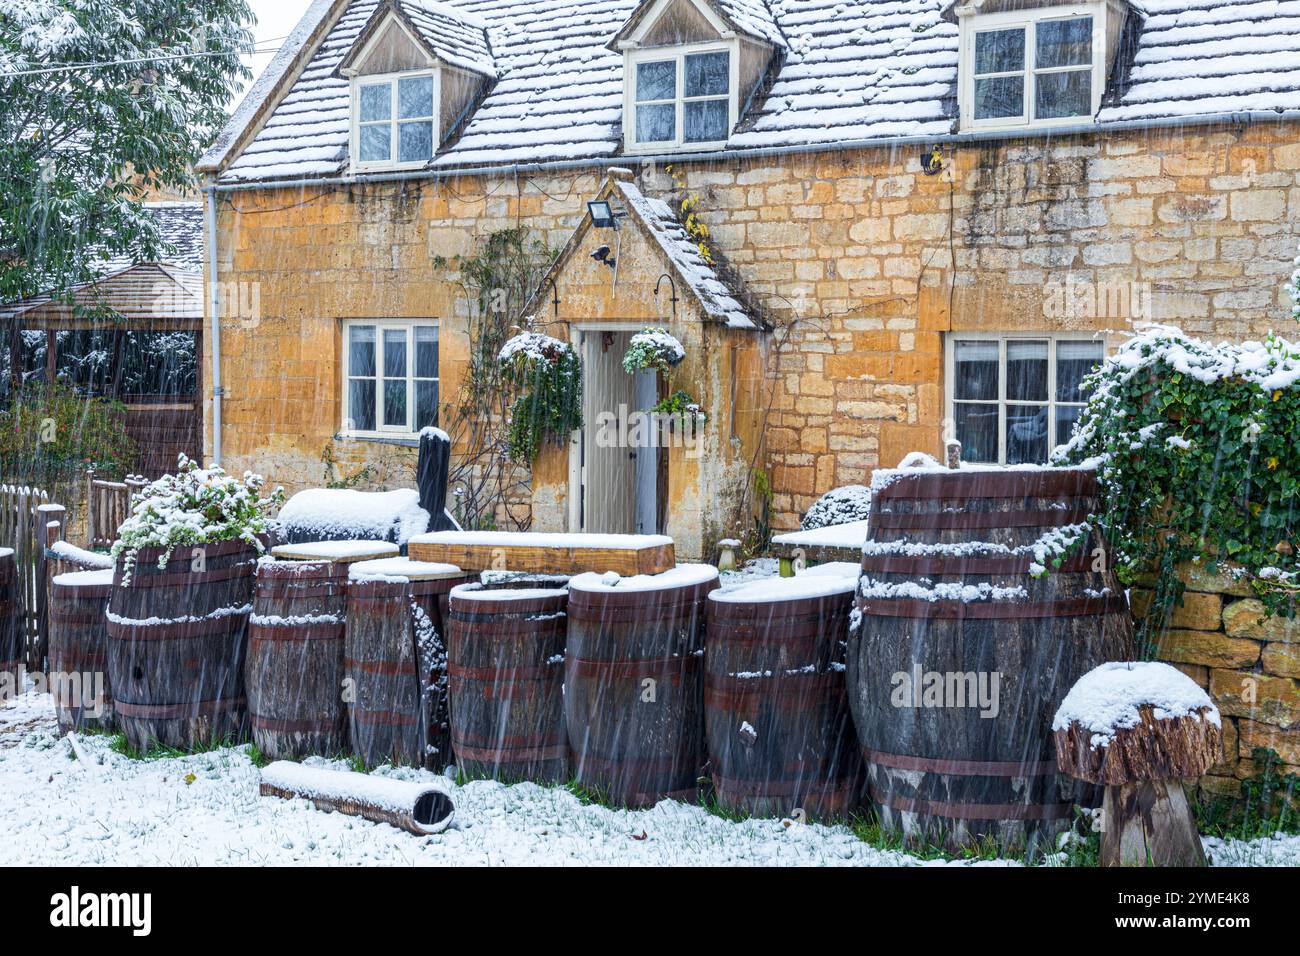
<point x="101" y="101"/>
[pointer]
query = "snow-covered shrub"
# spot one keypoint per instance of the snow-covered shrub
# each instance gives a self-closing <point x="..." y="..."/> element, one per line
<point x="653" y="349"/>
<point x="1293" y="289"/>
<point x="546" y="374"/>
<point x="1195" y="449"/>
<point x="192" y="507"/>
<point x="838" y="506"/>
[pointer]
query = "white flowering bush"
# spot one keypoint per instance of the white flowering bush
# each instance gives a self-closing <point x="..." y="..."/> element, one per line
<point x="192" y="507"/>
<point x="839" y="506"/>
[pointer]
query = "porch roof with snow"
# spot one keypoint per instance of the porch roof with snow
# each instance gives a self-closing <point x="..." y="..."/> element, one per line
<point x="719" y="301"/>
<point x="854" y="72"/>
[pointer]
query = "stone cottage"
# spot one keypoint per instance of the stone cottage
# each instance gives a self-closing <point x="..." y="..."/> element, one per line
<point x="923" y="217"/>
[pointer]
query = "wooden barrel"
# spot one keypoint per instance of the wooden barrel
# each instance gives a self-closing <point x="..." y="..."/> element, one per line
<point x="12" y="633"/>
<point x="634" y="684"/>
<point x="78" y="654"/>
<point x="963" y="655"/>
<point x="431" y="586"/>
<point x="177" y="636"/>
<point x="505" y="666"/>
<point x="776" y="705"/>
<point x="294" y="671"/>
<point x="385" y="709"/>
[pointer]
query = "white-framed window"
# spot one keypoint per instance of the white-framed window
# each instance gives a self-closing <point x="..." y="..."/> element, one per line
<point x="395" y="120"/>
<point x="1039" y="67"/>
<point x="1013" y="398"/>
<point x="390" y="376"/>
<point x="681" y="97"/>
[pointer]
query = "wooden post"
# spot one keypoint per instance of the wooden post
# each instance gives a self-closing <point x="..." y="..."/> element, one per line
<point x="90" y="508"/>
<point x="49" y="529"/>
<point x="51" y="357"/>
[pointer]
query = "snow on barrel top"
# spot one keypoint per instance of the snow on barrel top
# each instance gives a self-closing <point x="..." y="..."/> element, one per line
<point x="402" y="569"/>
<point x="477" y="592"/>
<point x="802" y="587"/>
<point x="97" y="578"/>
<point x="537" y="539"/>
<point x="682" y="576"/>
<point x="342" y="512"/>
<point x="1109" y="698"/>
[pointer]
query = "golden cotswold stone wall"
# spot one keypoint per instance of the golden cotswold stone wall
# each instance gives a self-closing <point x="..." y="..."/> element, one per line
<point x="863" y="261"/>
<point x="1248" y="662"/>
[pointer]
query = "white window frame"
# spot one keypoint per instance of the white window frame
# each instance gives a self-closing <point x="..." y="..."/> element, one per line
<point x="1054" y="339"/>
<point x="392" y="80"/>
<point x="1028" y="20"/>
<point x="380" y="326"/>
<point x="679" y="54"/>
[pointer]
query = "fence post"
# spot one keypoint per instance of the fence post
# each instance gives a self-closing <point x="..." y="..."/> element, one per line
<point x="49" y="529"/>
<point x="90" y="508"/>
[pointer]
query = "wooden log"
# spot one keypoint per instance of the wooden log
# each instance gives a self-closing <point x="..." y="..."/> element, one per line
<point x="1150" y="823"/>
<point x="415" y="808"/>
<point x="78" y="650"/>
<point x="634" y="684"/>
<point x="568" y="554"/>
<point x="294" y="670"/>
<point x="177" y="636"/>
<point x="12" y="633"/>
<point x="505" y="664"/>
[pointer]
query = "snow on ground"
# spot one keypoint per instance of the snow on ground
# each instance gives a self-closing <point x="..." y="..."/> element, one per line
<point x="205" y="809"/>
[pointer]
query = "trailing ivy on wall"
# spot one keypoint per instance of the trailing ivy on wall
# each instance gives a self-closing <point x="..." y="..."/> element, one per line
<point x="546" y="375"/>
<point x="1195" y="446"/>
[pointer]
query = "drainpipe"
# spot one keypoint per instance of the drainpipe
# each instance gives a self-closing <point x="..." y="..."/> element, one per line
<point x="214" y="312"/>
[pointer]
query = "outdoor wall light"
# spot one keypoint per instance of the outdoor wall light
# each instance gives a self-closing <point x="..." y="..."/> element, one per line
<point x="602" y="214"/>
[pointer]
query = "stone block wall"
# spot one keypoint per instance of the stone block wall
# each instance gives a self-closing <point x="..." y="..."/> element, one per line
<point x="1247" y="661"/>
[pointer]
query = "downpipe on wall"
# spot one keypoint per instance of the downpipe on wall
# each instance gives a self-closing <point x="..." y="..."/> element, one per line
<point x="214" y="312"/>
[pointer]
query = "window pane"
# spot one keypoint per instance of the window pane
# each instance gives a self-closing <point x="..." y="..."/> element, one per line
<point x="415" y="97"/>
<point x="1064" y="43"/>
<point x="376" y="102"/>
<point x="656" y="124"/>
<point x="361" y="350"/>
<point x="1000" y="97"/>
<point x="395" y="403"/>
<point x="1026" y="434"/>
<point x="426" y="404"/>
<point x="708" y="74"/>
<point x="656" y="81"/>
<point x="1027" y="371"/>
<point x="705" y="121"/>
<point x="414" y="142"/>
<point x="395" y="353"/>
<point x="1063" y="94"/>
<point x="1066" y="416"/>
<point x="1000" y="51"/>
<point x="1074" y="360"/>
<point x="426" y="352"/>
<point x="977" y="430"/>
<point x="376" y="143"/>
<point x="977" y="371"/>
<point x="361" y="404"/>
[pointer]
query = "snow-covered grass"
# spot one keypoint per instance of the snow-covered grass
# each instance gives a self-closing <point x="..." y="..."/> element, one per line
<point x="108" y="808"/>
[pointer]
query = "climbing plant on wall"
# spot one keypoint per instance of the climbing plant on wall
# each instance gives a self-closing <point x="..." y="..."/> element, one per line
<point x="546" y="376"/>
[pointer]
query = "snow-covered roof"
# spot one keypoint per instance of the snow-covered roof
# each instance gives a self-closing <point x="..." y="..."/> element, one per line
<point x="453" y="36"/>
<point x="181" y="227"/>
<point x="149" y="293"/>
<point x="855" y="70"/>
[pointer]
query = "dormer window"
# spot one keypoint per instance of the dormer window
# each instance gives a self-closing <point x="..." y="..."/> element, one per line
<point x="417" y="69"/>
<point x="688" y="70"/>
<point x="1030" y="65"/>
<point x="396" y="120"/>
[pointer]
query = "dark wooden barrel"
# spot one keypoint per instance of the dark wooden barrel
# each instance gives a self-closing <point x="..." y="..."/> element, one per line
<point x="294" y="671"/>
<point x="505" y="666"/>
<point x="431" y="585"/>
<point x="385" y="700"/>
<point x="12" y="633"/>
<point x="946" y="765"/>
<point x="177" y="636"/>
<point x="780" y="734"/>
<point x="634" y="684"/>
<point x="78" y="655"/>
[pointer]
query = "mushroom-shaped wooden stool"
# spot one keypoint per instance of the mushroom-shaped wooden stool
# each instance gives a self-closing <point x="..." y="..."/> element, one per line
<point x="727" y="562"/>
<point x="1141" y="729"/>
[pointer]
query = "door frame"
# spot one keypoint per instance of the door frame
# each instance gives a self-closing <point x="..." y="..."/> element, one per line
<point x="576" y="332"/>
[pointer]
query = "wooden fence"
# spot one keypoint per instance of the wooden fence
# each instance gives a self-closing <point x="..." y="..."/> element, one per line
<point x="22" y="525"/>
<point x="107" y="505"/>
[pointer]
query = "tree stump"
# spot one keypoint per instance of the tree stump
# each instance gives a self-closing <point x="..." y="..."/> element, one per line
<point x="1145" y="731"/>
